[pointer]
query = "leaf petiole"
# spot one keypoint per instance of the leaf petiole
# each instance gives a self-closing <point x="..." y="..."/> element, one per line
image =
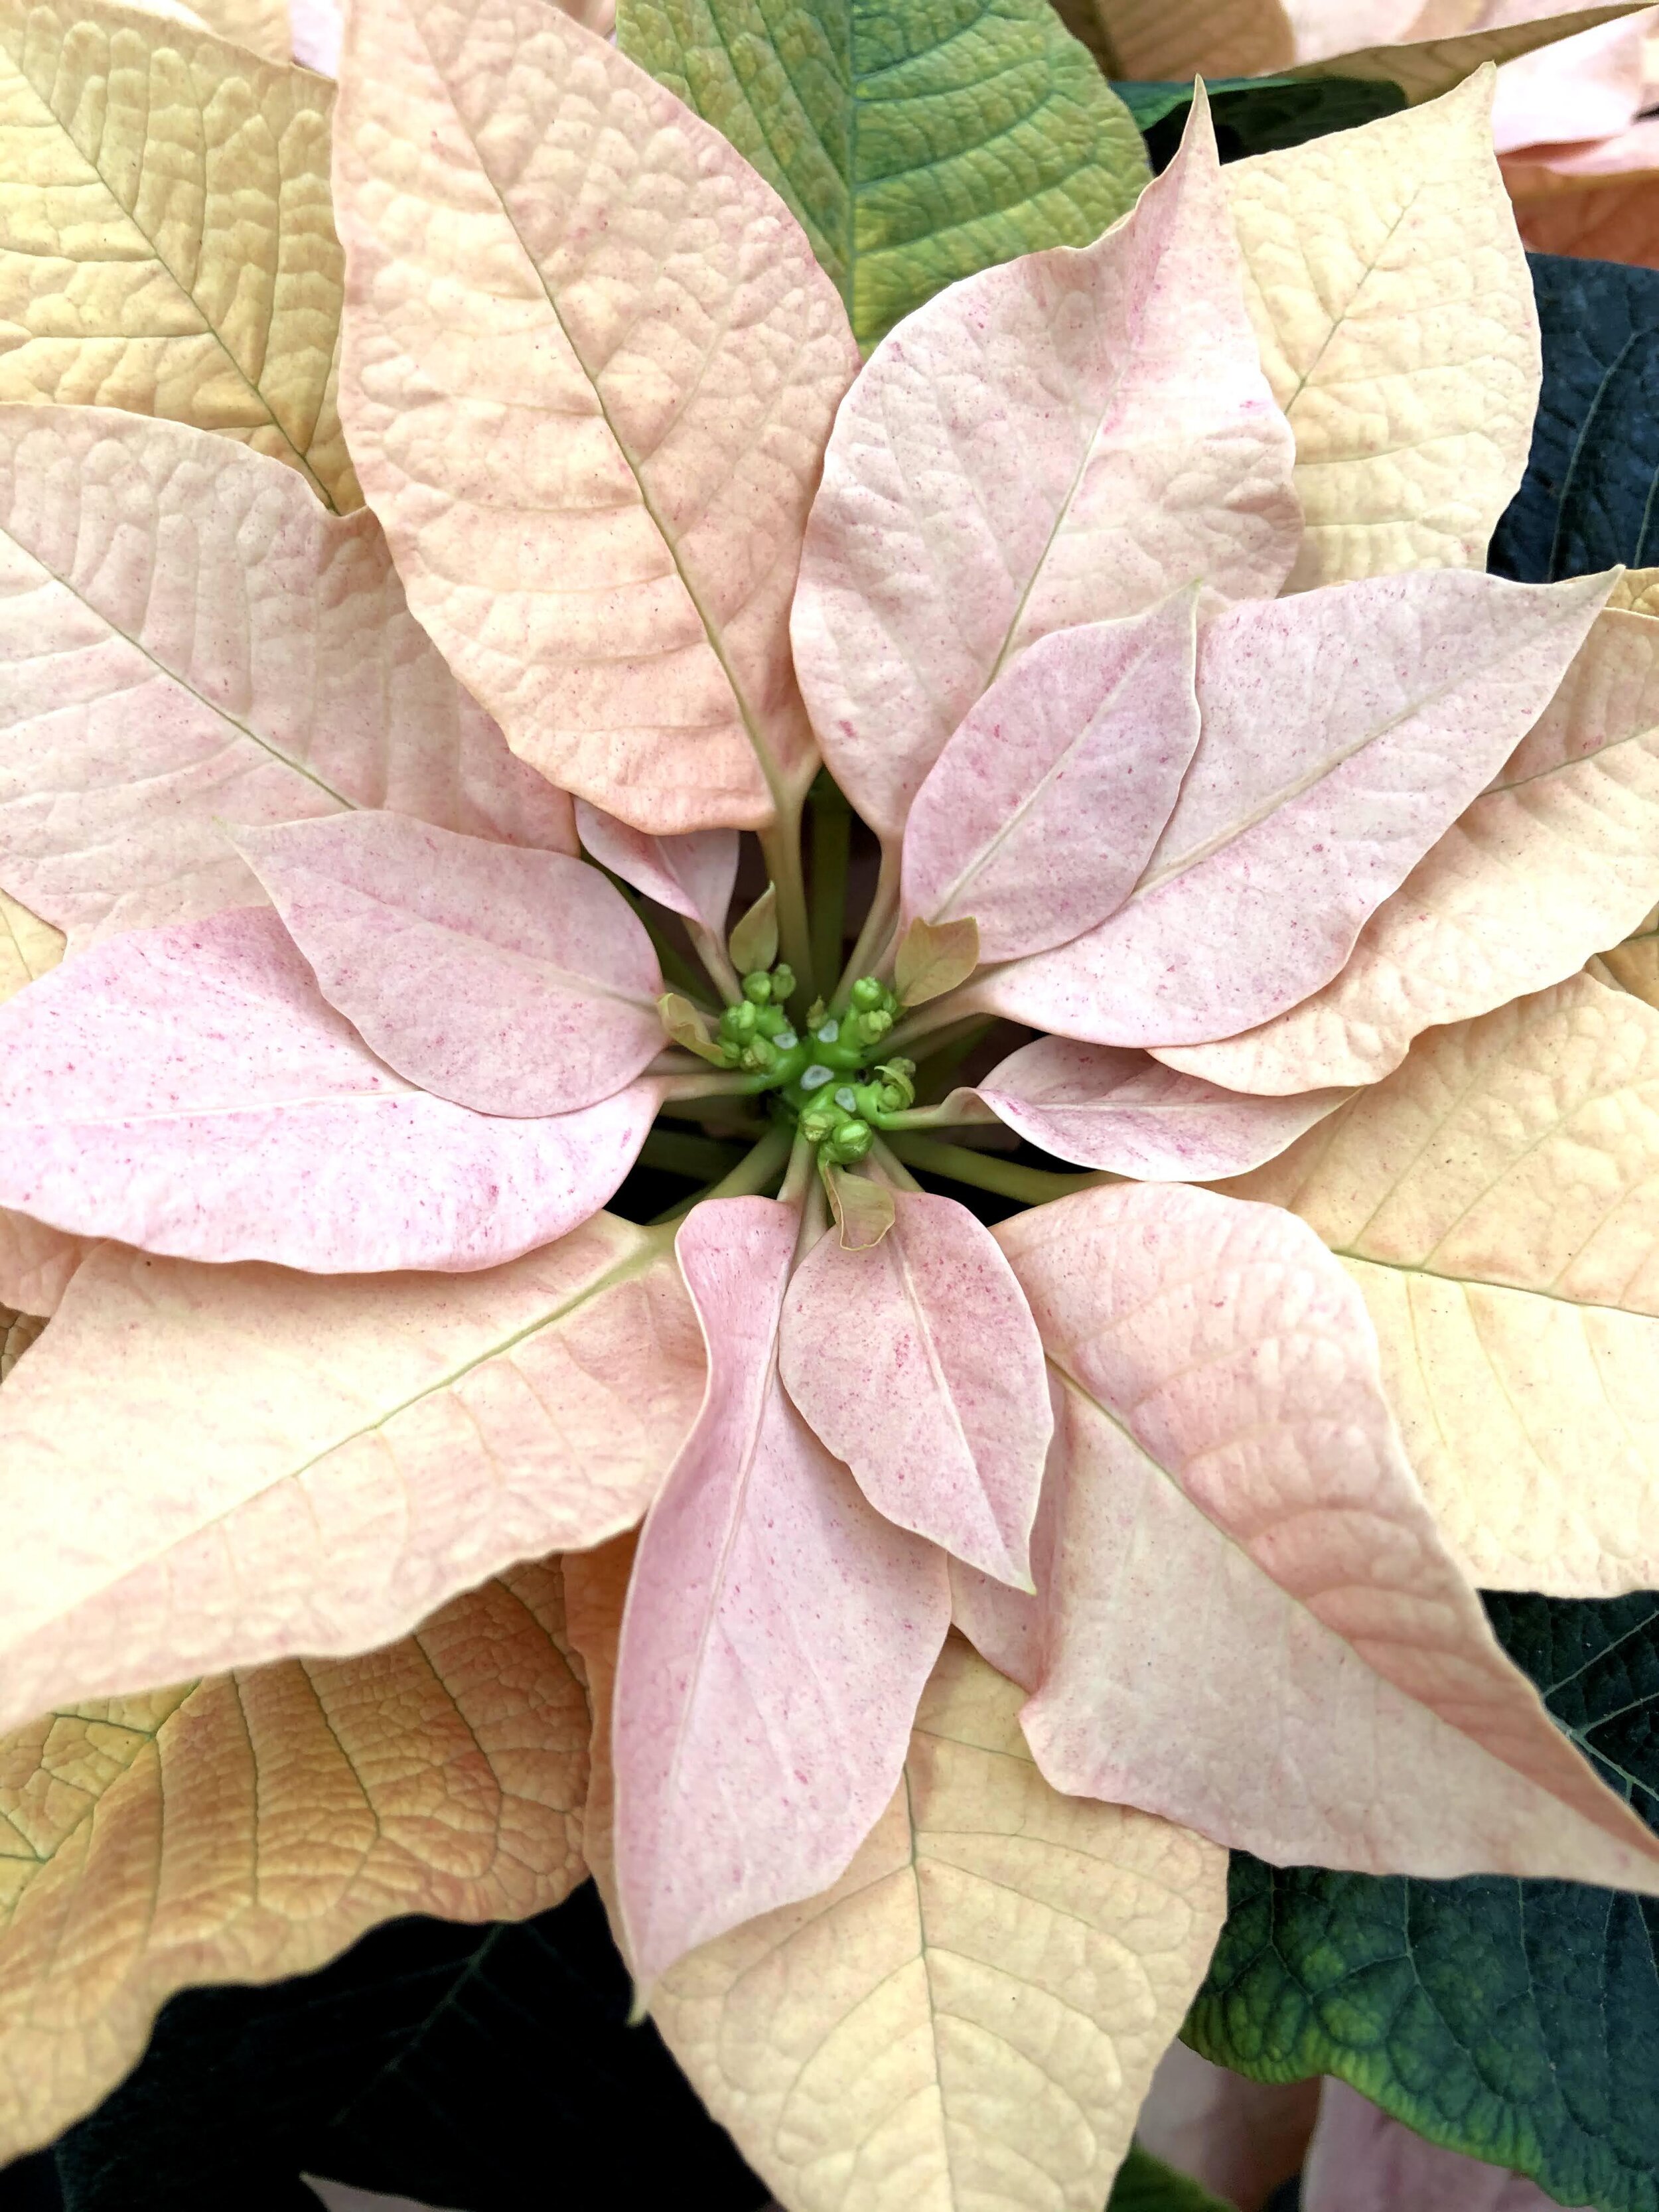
<point x="985" y="1171"/>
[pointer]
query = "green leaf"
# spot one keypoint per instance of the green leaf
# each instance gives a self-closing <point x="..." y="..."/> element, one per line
<point x="916" y="140"/>
<point x="1146" y="2184"/>
<point x="1257" y="115"/>
<point x="1590" y="496"/>
<point x="1517" y="2022"/>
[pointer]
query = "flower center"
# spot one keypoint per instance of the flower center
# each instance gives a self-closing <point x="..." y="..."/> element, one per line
<point x="825" y="1080"/>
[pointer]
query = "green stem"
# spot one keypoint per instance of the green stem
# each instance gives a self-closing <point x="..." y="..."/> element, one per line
<point x="949" y="1050"/>
<point x="832" y="837"/>
<point x="712" y="953"/>
<point x="893" y="1168"/>
<point x="984" y="1171"/>
<point x="680" y="1088"/>
<point x="699" y="1159"/>
<point x="799" y="1174"/>
<point x="758" y="1167"/>
<point x="936" y="1117"/>
<point x="878" y="927"/>
<point x="938" y="1014"/>
<point x="780" y="843"/>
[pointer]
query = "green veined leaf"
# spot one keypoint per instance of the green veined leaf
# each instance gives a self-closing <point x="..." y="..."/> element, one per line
<point x="1588" y="498"/>
<point x="1515" y="2021"/>
<point x="915" y="145"/>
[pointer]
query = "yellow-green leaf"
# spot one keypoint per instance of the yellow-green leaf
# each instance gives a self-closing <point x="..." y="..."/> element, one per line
<point x="253" y="1825"/>
<point x="166" y="240"/>
<point x="972" y="2016"/>
<point x="1497" y="1200"/>
<point x="1395" y="312"/>
<point x="913" y="145"/>
<point x="933" y="957"/>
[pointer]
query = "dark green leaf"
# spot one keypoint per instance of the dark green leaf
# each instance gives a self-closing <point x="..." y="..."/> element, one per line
<point x="1517" y="2022"/>
<point x="489" y="2068"/>
<point x="917" y="141"/>
<point x="1144" y="2185"/>
<point x="1591" y="493"/>
<point x="1257" y="115"/>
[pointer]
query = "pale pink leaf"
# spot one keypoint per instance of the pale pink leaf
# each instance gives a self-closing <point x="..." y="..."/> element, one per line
<point x="1065" y="438"/>
<point x="190" y="1090"/>
<point x="1361" y="2161"/>
<point x="188" y="638"/>
<point x="213" y="1467"/>
<point x="513" y="982"/>
<point x="777" y="1637"/>
<point x="1556" y="861"/>
<point x="917" y="1362"/>
<point x="588" y="368"/>
<point x="37" y="1264"/>
<point x="1044" y="806"/>
<point x="693" y="875"/>
<point x="1344" y="730"/>
<point x="1252" y="1625"/>
<point x="1586" y="87"/>
<point x="1241" y="2139"/>
<point x="1104" y="1106"/>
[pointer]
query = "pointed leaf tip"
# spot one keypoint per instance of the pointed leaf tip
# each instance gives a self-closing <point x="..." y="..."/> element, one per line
<point x="934" y="957"/>
<point x="754" y="940"/>
<point x="918" y="1363"/>
<point x="749" y="1773"/>
<point x="621" y="602"/>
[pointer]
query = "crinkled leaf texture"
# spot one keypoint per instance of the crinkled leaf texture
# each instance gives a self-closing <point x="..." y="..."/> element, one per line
<point x="778" y="1631"/>
<point x="1106" y="1108"/>
<point x="1230" y="1503"/>
<point x="1496" y="1201"/>
<point x="1391" y="299"/>
<point x="1343" y="732"/>
<point x="36" y="1263"/>
<point x="916" y="1361"/>
<point x="1064" y="440"/>
<point x="253" y="1825"/>
<point x="971" y="2014"/>
<point x="590" y="366"/>
<point x="168" y="245"/>
<point x="1513" y="2021"/>
<point x="189" y="640"/>
<point x="1588" y="499"/>
<point x="1558" y="857"/>
<point x="513" y="982"/>
<point x="311" y="1464"/>
<point x="190" y="1090"/>
<point x="912" y="149"/>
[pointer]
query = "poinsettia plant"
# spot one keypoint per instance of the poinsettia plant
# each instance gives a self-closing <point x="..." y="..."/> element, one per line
<point x="1219" y="821"/>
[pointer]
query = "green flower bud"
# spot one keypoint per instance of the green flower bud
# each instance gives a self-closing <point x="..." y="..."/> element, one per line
<point x="867" y="994"/>
<point x="850" y="1142"/>
<point x="757" y="1055"/>
<point x="758" y="987"/>
<point x="740" y="1023"/>
<point x="821" y="1120"/>
<point x="783" y="983"/>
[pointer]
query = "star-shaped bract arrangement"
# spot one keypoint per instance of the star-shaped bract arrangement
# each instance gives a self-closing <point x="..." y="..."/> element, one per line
<point x="316" y="1183"/>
